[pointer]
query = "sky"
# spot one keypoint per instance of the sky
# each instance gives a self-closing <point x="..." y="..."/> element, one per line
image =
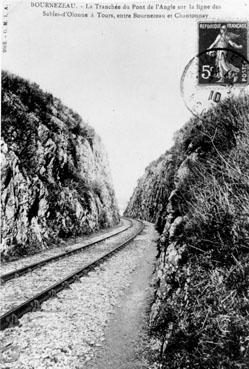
<point x="121" y="76"/>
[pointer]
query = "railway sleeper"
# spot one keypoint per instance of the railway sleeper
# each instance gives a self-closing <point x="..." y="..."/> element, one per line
<point x="35" y="305"/>
<point x="66" y="285"/>
<point x="76" y="278"/>
<point x="52" y="293"/>
<point x="12" y="320"/>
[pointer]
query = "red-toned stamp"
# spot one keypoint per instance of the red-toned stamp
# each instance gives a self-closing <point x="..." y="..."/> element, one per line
<point x="222" y="53"/>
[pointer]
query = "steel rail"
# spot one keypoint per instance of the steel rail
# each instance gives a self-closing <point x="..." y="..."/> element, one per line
<point x="28" y="268"/>
<point x="11" y="317"/>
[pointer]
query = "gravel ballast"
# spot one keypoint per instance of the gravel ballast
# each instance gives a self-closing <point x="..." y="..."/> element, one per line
<point x="70" y="244"/>
<point x="69" y="328"/>
<point x="18" y="290"/>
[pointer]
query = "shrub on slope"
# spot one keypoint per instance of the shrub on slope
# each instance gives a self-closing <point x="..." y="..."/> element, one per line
<point x="209" y="302"/>
<point x="201" y="309"/>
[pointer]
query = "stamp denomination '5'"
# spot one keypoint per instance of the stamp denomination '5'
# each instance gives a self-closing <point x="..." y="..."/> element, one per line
<point x="226" y="62"/>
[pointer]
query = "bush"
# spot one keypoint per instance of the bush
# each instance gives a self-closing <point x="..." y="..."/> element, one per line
<point x="219" y="205"/>
<point x="209" y="291"/>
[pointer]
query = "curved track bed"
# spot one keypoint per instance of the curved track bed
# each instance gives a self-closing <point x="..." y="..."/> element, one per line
<point x="30" y="267"/>
<point x="103" y="251"/>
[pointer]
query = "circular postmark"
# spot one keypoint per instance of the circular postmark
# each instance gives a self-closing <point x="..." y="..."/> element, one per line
<point x="212" y="76"/>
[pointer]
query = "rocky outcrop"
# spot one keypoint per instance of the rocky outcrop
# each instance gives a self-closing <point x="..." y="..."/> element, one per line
<point x="152" y="191"/>
<point x="56" y="180"/>
<point x="199" y="316"/>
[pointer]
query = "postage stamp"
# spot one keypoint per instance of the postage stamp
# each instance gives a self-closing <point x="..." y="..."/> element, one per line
<point x="226" y="62"/>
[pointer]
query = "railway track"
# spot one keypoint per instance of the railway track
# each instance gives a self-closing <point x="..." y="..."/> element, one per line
<point x="12" y="316"/>
<point x="28" y="268"/>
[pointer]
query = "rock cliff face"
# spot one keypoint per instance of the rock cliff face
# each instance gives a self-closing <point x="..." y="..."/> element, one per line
<point x="56" y="181"/>
<point x="198" y="195"/>
<point x="152" y="191"/>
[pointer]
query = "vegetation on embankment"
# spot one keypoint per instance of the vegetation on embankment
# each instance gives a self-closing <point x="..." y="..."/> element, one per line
<point x="56" y="181"/>
<point x="198" y="194"/>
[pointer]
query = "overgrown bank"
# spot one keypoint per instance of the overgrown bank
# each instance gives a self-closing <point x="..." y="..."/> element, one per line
<point x="56" y="181"/>
<point x="198" y="195"/>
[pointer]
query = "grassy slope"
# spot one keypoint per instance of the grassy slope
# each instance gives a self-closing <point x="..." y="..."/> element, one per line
<point x="212" y="326"/>
<point x="203" y="317"/>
